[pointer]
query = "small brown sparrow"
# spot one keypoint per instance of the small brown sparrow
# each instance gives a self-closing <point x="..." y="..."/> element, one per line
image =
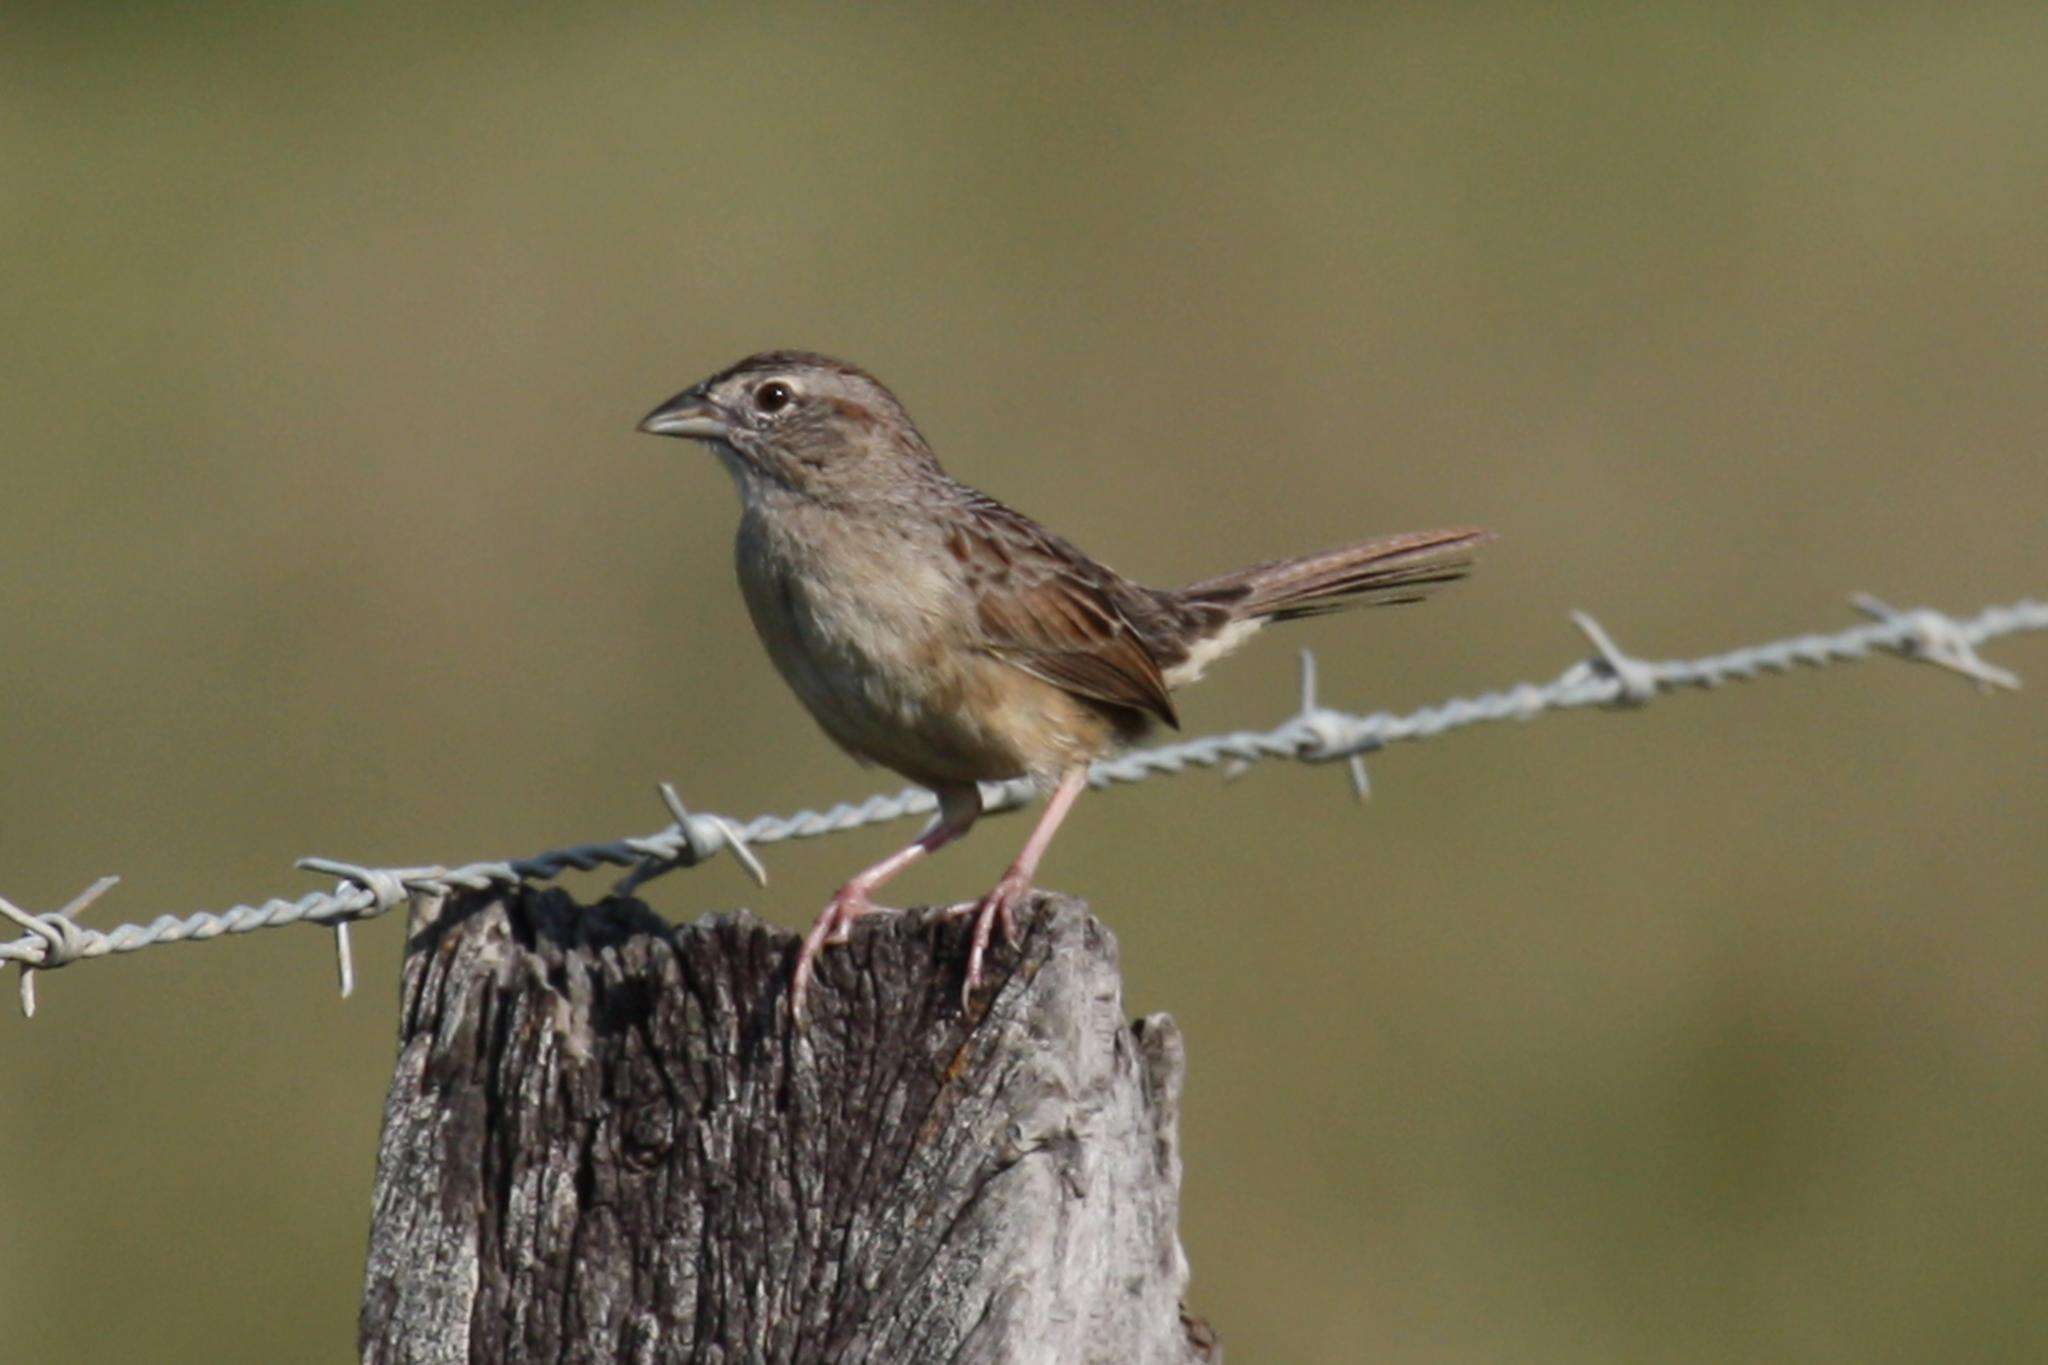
<point x="936" y="632"/>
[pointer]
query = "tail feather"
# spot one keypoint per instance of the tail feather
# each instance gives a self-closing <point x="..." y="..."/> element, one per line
<point x="1397" y="569"/>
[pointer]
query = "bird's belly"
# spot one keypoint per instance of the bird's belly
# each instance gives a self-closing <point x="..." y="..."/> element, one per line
<point x="873" y="662"/>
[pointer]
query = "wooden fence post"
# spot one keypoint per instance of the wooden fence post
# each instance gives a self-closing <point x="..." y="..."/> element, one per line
<point x="604" y="1142"/>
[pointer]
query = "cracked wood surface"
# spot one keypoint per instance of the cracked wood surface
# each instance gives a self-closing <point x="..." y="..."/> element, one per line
<point x="604" y="1142"/>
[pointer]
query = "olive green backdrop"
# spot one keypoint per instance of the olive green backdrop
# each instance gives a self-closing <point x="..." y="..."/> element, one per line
<point x="1711" y="1033"/>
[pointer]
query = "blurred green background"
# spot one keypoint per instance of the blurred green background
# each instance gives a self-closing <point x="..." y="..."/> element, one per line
<point x="1715" y="1032"/>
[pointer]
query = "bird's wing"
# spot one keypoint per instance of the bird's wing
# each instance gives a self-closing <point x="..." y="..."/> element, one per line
<point x="1044" y="607"/>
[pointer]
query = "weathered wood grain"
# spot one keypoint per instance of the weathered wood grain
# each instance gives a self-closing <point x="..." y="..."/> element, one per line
<point x="604" y="1142"/>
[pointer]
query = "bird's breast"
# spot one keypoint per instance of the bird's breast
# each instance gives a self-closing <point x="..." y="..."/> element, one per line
<point x="873" y="632"/>
<point x="839" y="599"/>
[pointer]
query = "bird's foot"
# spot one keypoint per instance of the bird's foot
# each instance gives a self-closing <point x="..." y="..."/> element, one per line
<point x="848" y="905"/>
<point x="996" y="910"/>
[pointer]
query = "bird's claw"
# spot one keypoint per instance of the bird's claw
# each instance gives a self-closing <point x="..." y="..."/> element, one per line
<point x="835" y="926"/>
<point x="997" y="911"/>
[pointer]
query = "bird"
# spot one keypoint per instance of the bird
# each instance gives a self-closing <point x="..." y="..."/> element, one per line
<point x="939" y="633"/>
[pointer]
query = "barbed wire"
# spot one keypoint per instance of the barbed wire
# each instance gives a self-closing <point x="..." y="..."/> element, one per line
<point x="1314" y="734"/>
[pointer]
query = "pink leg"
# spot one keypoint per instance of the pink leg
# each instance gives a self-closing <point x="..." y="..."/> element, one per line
<point x="958" y="809"/>
<point x="998" y="907"/>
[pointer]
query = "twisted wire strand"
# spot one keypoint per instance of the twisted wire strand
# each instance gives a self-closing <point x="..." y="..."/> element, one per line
<point x="1314" y="734"/>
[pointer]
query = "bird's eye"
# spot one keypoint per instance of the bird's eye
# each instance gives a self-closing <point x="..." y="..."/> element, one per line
<point x="773" y="396"/>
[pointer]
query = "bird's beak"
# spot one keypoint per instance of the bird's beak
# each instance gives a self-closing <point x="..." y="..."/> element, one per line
<point x="690" y="414"/>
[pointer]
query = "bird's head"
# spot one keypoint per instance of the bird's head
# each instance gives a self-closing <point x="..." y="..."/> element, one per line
<point x="798" y="422"/>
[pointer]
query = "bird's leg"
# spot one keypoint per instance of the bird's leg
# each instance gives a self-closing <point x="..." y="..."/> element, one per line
<point x="998" y="907"/>
<point x="959" y="806"/>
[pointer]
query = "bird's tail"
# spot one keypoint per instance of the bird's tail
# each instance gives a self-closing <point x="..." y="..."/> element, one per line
<point x="1405" y="568"/>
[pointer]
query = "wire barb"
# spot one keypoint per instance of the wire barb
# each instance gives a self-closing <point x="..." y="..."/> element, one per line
<point x="1329" y="735"/>
<point x="686" y="843"/>
<point x="1636" y="682"/>
<point x="1930" y="637"/>
<point x="63" y="940"/>
<point x="344" y="960"/>
<point x="1314" y="734"/>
